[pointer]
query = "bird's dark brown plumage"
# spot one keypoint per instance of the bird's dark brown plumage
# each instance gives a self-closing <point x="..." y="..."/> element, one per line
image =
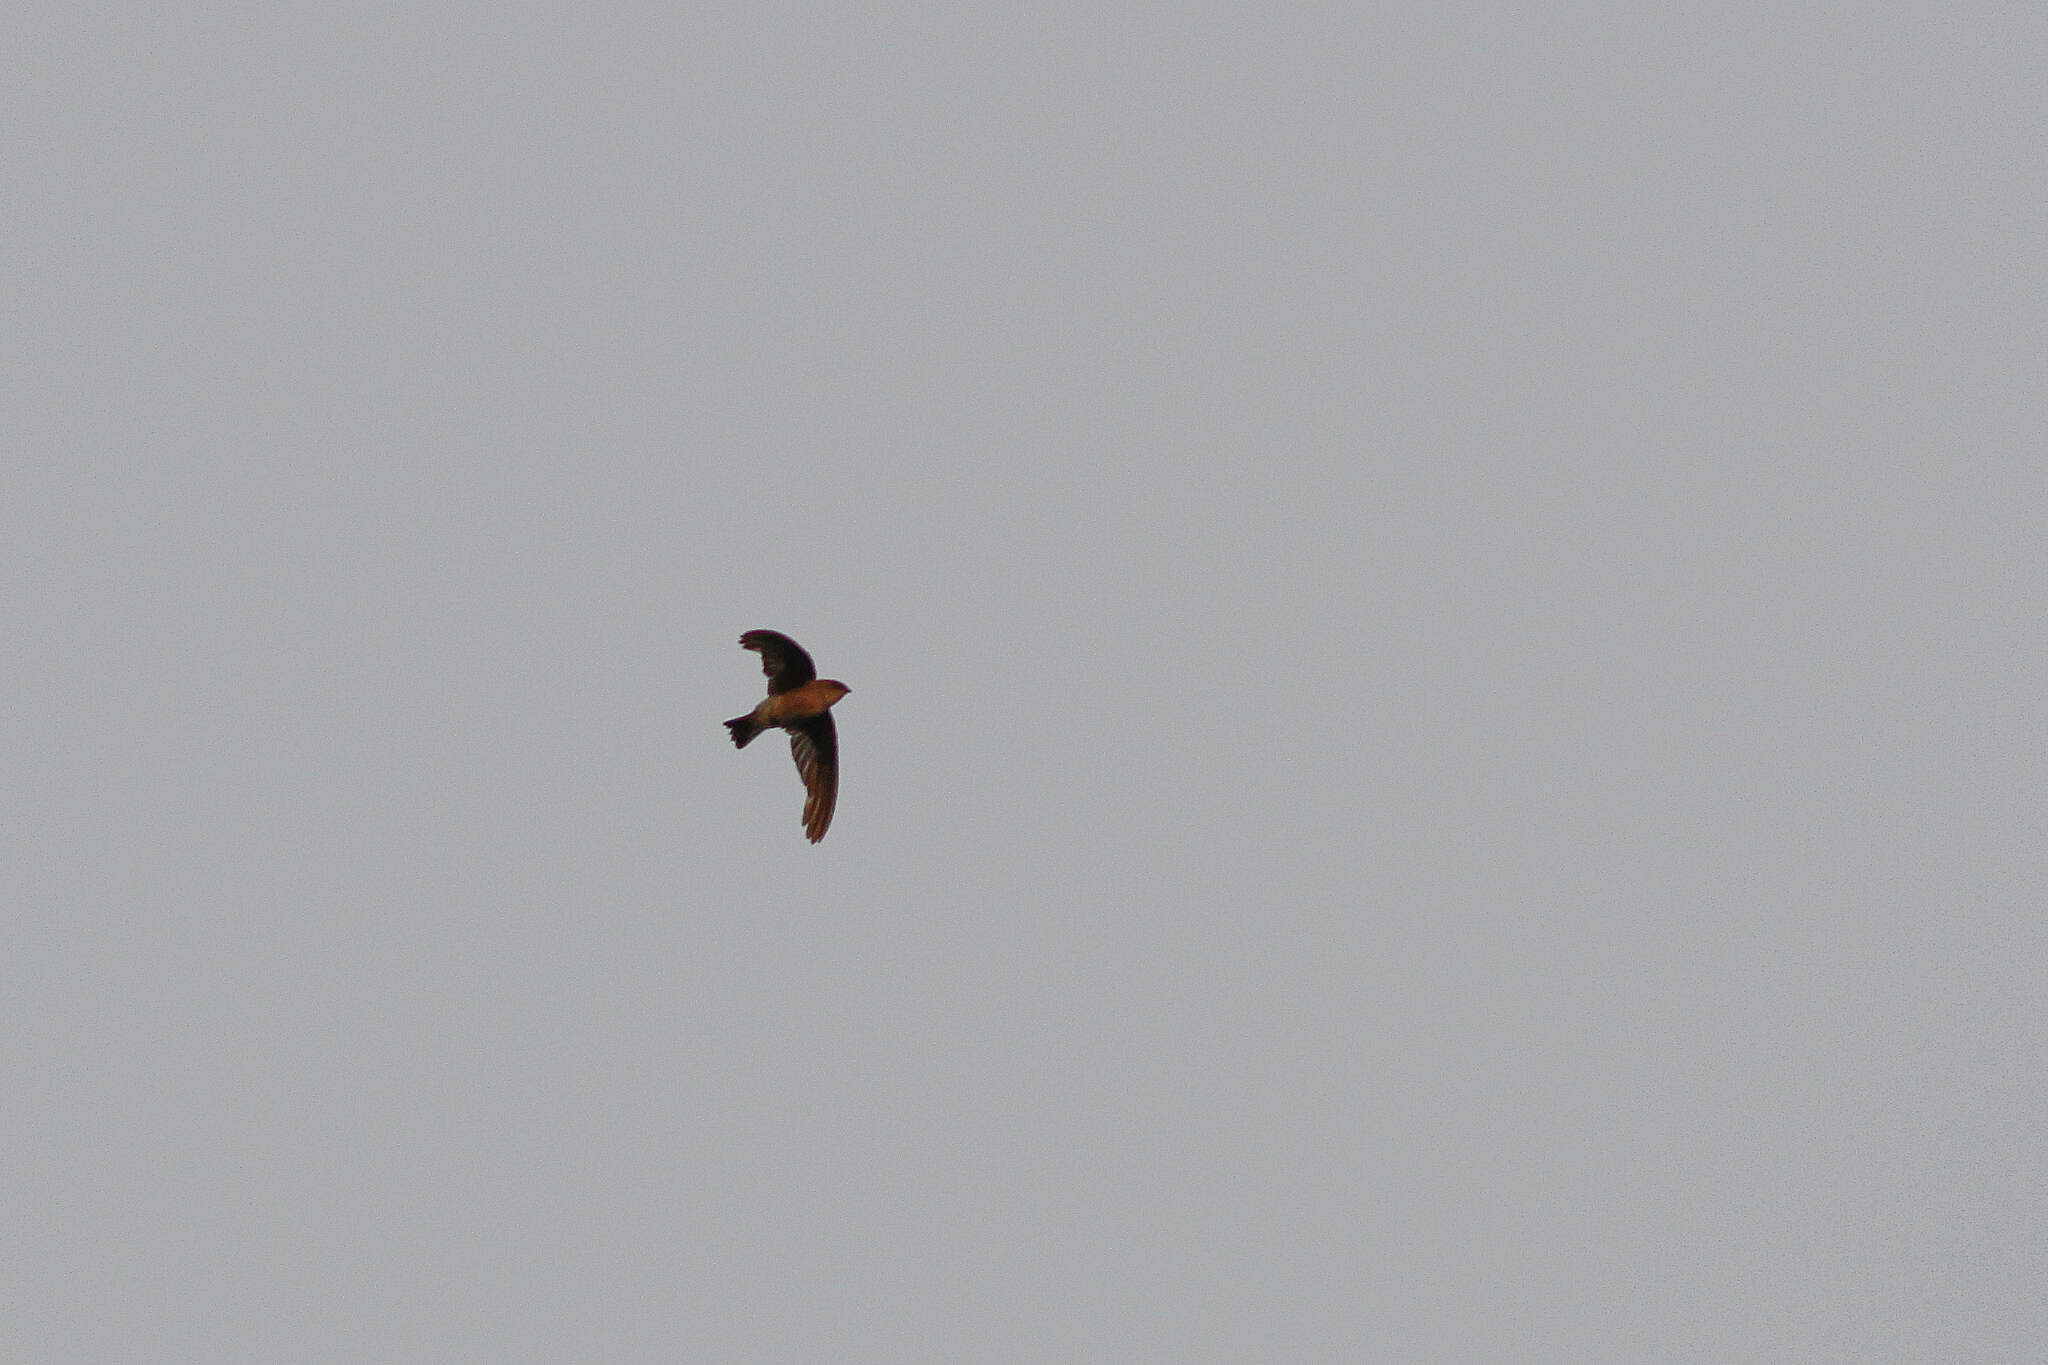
<point x="800" y="702"/>
<point x="785" y="661"/>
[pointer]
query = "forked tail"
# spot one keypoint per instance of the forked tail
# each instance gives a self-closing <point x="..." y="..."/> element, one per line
<point x="743" y="729"/>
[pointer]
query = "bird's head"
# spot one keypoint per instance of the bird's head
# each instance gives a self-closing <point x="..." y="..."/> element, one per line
<point x="837" y="688"/>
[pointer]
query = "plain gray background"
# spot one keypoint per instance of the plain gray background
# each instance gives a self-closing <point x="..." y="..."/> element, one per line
<point x="1445" y="614"/>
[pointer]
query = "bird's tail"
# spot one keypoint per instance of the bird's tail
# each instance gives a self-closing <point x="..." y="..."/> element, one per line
<point x="743" y="729"/>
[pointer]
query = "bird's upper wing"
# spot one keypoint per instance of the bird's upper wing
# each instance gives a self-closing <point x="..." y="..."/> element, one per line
<point x="782" y="659"/>
<point x="815" y="746"/>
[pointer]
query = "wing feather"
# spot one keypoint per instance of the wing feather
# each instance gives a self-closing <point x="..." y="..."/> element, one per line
<point x="782" y="659"/>
<point x="815" y="747"/>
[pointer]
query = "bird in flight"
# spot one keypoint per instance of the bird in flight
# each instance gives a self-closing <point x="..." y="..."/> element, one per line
<point x="800" y="702"/>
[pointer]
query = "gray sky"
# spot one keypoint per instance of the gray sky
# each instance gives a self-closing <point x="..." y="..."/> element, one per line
<point x="1445" y="615"/>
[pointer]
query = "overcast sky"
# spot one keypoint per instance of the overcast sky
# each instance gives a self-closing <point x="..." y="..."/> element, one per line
<point x="1445" y="615"/>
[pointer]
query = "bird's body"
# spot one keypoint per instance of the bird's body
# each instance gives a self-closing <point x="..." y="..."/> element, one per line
<point x="789" y="709"/>
<point x="800" y="702"/>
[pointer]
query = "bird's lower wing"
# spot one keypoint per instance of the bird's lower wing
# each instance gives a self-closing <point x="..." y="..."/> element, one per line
<point x="815" y="747"/>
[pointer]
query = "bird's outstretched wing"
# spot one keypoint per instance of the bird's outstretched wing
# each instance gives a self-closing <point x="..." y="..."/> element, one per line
<point x="815" y="746"/>
<point x="782" y="659"/>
